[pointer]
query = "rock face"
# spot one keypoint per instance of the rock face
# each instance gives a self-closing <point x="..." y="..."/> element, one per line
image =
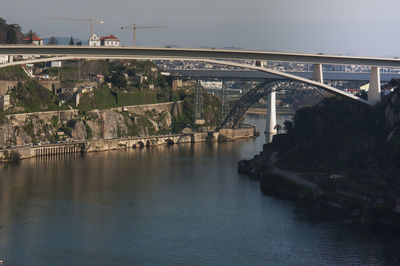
<point x="144" y="120"/>
<point x="392" y="111"/>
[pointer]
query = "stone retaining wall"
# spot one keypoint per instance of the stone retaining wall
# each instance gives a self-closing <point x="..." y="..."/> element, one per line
<point x="116" y="144"/>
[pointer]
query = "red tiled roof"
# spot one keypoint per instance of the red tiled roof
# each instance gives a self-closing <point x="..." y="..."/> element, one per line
<point x="111" y="37"/>
<point x="34" y="38"/>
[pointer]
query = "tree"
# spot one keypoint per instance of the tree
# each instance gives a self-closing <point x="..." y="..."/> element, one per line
<point x="3" y="23"/>
<point x="288" y="126"/>
<point x="30" y="36"/>
<point x="11" y="35"/>
<point x="118" y="79"/>
<point x="52" y="41"/>
<point x="71" y="41"/>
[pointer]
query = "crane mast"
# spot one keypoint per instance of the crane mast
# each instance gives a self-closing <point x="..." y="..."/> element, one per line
<point x="91" y="20"/>
<point x="134" y="28"/>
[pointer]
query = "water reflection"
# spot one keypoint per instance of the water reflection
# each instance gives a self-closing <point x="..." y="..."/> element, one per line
<point x="181" y="204"/>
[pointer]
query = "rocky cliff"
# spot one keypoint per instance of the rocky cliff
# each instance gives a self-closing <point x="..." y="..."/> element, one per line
<point x="351" y="151"/>
<point x="142" y="120"/>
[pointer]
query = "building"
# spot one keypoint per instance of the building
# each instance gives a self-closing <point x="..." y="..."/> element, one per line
<point x="56" y="64"/>
<point x="4" y="59"/>
<point x="110" y="41"/>
<point x="35" y="40"/>
<point x="5" y="102"/>
<point x="94" y="40"/>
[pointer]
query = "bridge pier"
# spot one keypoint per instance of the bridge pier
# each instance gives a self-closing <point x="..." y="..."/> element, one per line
<point x="271" y="114"/>
<point x="374" y="91"/>
<point x="317" y="73"/>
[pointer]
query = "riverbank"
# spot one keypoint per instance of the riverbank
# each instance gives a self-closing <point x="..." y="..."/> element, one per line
<point x="349" y="151"/>
<point x="360" y="202"/>
<point x="59" y="149"/>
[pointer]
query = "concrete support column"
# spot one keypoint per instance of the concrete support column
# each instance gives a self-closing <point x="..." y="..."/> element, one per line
<point x="317" y="73"/>
<point x="260" y="63"/>
<point x="374" y="91"/>
<point x="271" y="115"/>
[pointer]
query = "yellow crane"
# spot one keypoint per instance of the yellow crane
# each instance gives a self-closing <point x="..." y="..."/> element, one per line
<point x="91" y="20"/>
<point x="134" y="28"/>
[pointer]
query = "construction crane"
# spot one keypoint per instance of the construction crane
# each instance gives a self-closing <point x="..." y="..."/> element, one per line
<point x="134" y="28"/>
<point x="91" y="20"/>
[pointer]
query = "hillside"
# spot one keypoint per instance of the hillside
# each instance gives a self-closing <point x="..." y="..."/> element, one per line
<point x="348" y="150"/>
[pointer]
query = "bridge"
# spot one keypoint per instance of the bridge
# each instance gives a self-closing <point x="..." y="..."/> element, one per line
<point x="216" y="56"/>
<point x="257" y="75"/>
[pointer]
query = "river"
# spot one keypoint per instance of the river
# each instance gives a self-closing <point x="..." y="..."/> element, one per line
<point x="181" y="204"/>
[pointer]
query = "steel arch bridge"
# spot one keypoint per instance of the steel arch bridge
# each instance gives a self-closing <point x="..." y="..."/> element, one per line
<point x="254" y="95"/>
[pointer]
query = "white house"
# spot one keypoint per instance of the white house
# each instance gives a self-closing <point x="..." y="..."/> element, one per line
<point x="35" y="40"/>
<point x="110" y="41"/>
<point x="56" y="64"/>
<point x="94" y="40"/>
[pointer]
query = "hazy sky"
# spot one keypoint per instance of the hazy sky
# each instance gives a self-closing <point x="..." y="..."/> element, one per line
<point x="359" y="27"/>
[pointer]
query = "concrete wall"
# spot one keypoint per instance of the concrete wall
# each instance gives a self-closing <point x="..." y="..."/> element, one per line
<point x="138" y="142"/>
<point x="69" y="114"/>
<point x="5" y="85"/>
<point x="135" y="142"/>
<point x="46" y="116"/>
<point x="171" y="107"/>
<point x="232" y="134"/>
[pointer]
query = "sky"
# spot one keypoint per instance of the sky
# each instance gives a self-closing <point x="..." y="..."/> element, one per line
<point x="353" y="27"/>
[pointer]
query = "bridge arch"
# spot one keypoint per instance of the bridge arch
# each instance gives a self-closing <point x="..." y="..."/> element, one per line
<point x="220" y="62"/>
<point x="254" y="95"/>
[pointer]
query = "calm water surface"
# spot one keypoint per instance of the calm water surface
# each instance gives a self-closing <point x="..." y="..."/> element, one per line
<point x="184" y="204"/>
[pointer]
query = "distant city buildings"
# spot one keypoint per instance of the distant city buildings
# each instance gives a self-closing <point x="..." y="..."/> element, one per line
<point x="107" y="41"/>
<point x="211" y="84"/>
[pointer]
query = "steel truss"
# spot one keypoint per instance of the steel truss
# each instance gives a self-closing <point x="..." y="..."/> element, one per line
<point x="254" y="95"/>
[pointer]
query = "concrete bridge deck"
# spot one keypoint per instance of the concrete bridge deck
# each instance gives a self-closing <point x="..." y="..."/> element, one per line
<point x="258" y="75"/>
<point x="195" y="54"/>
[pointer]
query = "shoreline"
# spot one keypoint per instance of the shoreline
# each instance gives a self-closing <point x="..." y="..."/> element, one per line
<point x="335" y="193"/>
<point x="86" y="146"/>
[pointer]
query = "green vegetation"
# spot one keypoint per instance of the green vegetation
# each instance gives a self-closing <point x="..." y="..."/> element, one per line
<point x="33" y="97"/>
<point x="118" y="80"/>
<point x="9" y="33"/>
<point x="13" y="73"/>
<point x="101" y="99"/>
<point x="334" y="134"/>
<point x="28" y="128"/>
<point x="3" y="118"/>
<point x="211" y="107"/>
<point x="104" y="98"/>
<point x="54" y="121"/>
<point x="89" y="134"/>
<point x="138" y="97"/>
